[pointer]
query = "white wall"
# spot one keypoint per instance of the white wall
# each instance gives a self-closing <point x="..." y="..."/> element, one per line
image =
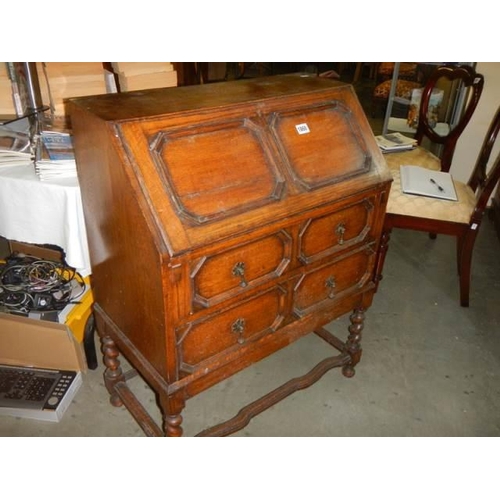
<point x="470" y="142"/>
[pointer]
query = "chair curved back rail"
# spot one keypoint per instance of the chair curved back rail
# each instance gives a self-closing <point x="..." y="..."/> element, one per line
<point x="447" y="217"/>
<point x="480" y="179"/>
<point x="474" y="83"/>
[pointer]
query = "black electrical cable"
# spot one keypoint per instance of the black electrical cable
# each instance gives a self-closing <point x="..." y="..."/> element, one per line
<point x="30" y="284"/>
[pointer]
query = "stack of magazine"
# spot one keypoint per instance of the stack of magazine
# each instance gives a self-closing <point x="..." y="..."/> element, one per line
<point x="15" y="148"/>
<point x="9" y="158"/>
<point x="389" y="143"/>
<point x="48" y="170"/>
<point x="16" y="151"/>
<point x="61" y="161"/>
<point x="59" y="145"/>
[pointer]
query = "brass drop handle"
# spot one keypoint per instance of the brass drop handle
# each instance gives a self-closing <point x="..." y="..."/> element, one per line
<point x="239" y="272"/>
<point x="340" y="231"/>
<point x="330" y="284"/>
<point x="238" y="327"/>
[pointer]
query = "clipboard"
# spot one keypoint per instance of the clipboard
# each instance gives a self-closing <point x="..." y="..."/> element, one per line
<point x="425" y="182"/>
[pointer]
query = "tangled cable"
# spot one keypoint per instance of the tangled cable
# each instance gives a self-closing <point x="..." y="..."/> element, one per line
<point x="30" y="284"/>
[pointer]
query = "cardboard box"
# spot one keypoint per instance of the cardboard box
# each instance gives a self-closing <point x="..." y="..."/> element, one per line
<point x="33" y="342"/>
<point x="39" y="344"/>
<point x="74" y="315"/>
<point x="40" y="251"/>
<point x="30" y="343"/>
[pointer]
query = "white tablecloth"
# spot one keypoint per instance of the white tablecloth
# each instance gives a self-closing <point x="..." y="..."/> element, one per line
<point x="38" y="212"/>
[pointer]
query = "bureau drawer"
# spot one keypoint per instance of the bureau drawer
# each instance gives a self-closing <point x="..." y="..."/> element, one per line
<point x="337" y="231"/>
<point x="225" y="331"/>
<point x="219" y="276"/>
<point x="321" y="286"/>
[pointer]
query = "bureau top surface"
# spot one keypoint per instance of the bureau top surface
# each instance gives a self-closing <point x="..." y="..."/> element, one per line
<point x="157" y="102"/>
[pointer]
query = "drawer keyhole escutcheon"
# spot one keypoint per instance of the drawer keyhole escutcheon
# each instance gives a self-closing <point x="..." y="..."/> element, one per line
<point x="238" y="327"/>
<point x="339" y="231"/>
<point x="330" y="283"/>
<point x="239" y="272"/>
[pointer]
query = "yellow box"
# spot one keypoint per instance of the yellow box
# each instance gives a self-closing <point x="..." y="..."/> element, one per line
<point x="78" y="315"/>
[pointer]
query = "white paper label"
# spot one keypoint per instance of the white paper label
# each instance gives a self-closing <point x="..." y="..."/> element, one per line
<point x="474" y="226"/>
<point x="302" y="128"/>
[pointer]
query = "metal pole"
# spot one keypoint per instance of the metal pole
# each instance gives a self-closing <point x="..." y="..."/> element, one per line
<point x="390" y="100"/>
<point x="33" y="86"/>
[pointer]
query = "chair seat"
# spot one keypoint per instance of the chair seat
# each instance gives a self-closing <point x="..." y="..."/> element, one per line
<point x="416" y="156"/>
<point x="404" y="89"/>
<point x="406" y="70"/>
<point x="431" y="208"/>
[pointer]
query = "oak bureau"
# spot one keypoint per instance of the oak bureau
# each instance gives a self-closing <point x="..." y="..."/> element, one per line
<point x="226" y="221"/>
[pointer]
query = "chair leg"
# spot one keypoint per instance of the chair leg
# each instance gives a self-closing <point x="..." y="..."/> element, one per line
<point x="464" y="266"/>
<point x="464" y="287"/>
<point x="459" y="253"/>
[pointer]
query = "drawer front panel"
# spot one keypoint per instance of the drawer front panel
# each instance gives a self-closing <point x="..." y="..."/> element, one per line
<point x="337" y="231"/>
<point x="217" y="277"/>
<point x="323" y="285"/>
<point x="234" y="327"/>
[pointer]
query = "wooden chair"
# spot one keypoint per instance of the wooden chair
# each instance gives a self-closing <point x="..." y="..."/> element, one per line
<point x="421" y="156"/>
<point x="460" y="218"/>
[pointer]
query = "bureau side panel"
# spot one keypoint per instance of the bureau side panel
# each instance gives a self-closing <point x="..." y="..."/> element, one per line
<point x="126" y="261"/>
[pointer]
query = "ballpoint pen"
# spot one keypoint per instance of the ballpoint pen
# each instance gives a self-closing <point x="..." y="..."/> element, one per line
<point x="438" y="186"/>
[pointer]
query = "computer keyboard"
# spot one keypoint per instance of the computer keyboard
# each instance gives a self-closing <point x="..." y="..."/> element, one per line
<point x="33" y="388"/>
